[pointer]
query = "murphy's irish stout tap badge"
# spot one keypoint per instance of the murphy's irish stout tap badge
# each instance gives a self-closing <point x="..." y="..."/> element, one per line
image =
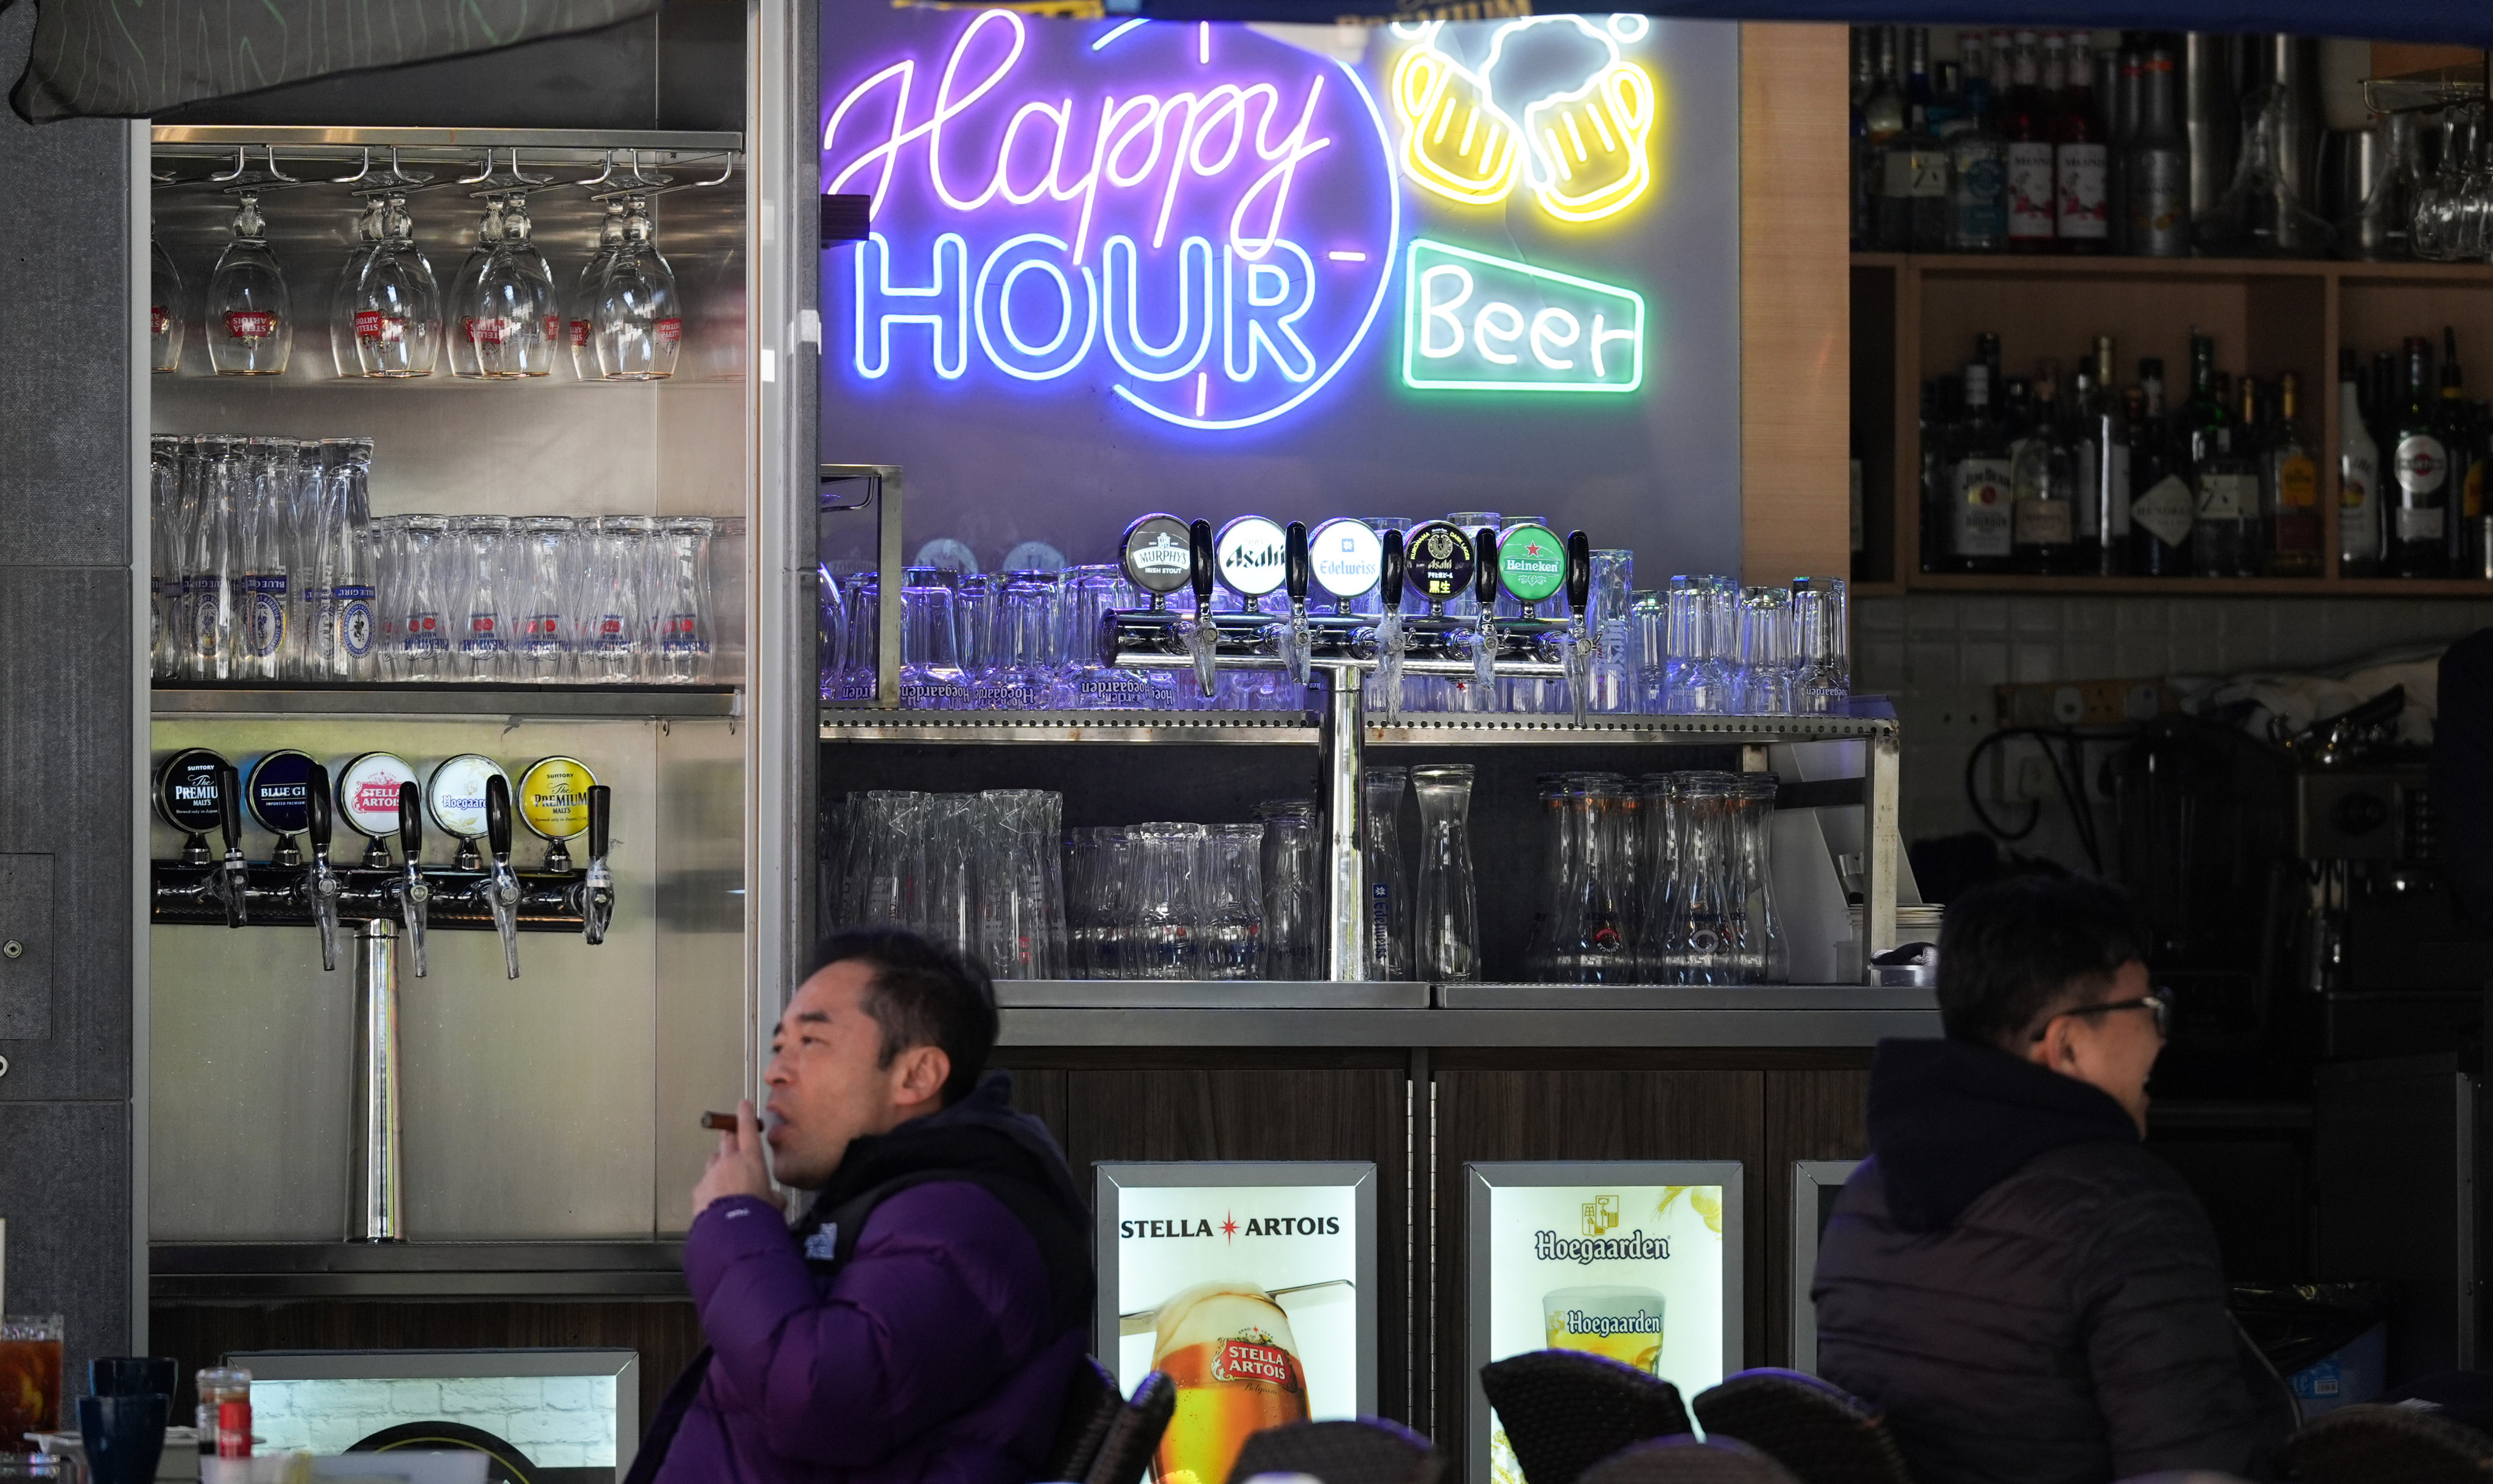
<point x="1247" y="1296"/>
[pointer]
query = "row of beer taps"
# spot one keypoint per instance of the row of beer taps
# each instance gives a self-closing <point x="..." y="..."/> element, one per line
<point x="291" y="889"/>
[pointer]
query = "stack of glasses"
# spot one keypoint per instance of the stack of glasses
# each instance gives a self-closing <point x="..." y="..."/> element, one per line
<point x="1199" y="901"/>
<point x="269" y="566"/>
<point x="1668" y="880"/>
<point x="1028" y="642"/>
<point x="982" y="872"/>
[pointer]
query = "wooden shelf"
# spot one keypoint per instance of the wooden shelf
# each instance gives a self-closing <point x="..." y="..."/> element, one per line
<point x="1914" y="314"/>
<point x="2197" y="587"/>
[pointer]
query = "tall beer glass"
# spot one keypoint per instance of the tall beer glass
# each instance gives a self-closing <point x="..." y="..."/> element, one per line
<point x="1228" y="1347"/>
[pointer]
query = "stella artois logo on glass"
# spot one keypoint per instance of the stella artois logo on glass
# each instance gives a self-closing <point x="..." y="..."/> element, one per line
<point x="1228" y="1347"/>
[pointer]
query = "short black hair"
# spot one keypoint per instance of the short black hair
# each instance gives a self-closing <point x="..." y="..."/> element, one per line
<point x="2012" y="952"/>
<point x="921" y="994"/>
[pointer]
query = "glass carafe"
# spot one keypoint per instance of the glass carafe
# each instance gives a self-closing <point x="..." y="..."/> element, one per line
<point x="1293" y="870"/>
<point x="423" y="634"/>
<point x="1169" y="911"/>
<point x="681" y="600"/>
<point x="1657" y="846"/>
<point x="1758" y="951"/>
<point x="480" y="600"/>
<point x="1389" y="890"/>
<point x="1233" y="902"/>
<point x="1701" y="939"/>
<point x="1581" y="935"/>
<point x="1446" y="940"/>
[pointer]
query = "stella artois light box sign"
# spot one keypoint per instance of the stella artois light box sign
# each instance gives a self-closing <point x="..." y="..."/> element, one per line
<point x="1253" y="1286"/>
<point x="1639" y="1262"/>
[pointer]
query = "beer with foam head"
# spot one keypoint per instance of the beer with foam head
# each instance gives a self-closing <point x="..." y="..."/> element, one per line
<point x="1228" y="1347"/>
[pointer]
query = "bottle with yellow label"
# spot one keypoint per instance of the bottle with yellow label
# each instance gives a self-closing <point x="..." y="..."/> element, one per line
<point x="2289" y="491"/>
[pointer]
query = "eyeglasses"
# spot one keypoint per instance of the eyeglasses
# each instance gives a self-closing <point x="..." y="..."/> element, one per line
<point x="2159" y="1001"/>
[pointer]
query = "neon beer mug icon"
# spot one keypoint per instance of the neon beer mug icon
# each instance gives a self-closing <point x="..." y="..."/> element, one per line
<point x="1585" y="150"/>
<point x="1456" y="139"/>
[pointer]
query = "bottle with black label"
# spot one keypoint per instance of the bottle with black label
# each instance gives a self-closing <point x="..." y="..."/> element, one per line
<point x="2224" y="482"/>
<point x="2161" y="511"/>
<point x="2420" y="467"/>
<point x="2455" y="423"/>
<point x="1980" y="484"/>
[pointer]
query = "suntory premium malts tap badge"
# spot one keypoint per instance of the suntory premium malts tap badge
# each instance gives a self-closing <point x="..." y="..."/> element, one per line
<point x="1256" y="1300"/>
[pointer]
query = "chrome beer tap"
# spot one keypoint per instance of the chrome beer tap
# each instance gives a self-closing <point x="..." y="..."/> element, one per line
<point x="500" y="887"/>
<point x="1203" y="634"/>
<point x="231" y="883"/>
<point x="1485" y="636"/>
<point x="322" y="885"/>
<point x="597" y="887"/>
<point x="1291" y="637"/>
<point x="1389" y="640"/>
<point x="1580" y="592"/>
<point x="413" y="894"/>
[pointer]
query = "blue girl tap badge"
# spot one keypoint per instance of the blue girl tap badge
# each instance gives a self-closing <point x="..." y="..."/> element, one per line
<point x="1200" y="221"/>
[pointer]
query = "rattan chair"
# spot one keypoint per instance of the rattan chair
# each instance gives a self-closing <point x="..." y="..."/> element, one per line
<point x="1823" y="1434"/>
<point x="1565" y="1410"/>
<point x="2374" y="1445"/>
<point x="1688" y="1460"/>
<point x="1090" y="1407"/>
<point x="1133" y="1433"/>
<point x="1365" y="1451"/>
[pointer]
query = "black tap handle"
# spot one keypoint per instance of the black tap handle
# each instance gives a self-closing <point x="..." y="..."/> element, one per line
<point x="498" y="816"/>
<point x="600" y="801"/>
<point x="1200" y="550"/>
<point x="1389" y="587"/>
<point x="1580" y="573"/>
<point x="1484" y="557"/>
<point x="229" y="807"/>
<point x="1294" y="563"/>
<point x="317" y="796"/>
<point x="411" y="823"/>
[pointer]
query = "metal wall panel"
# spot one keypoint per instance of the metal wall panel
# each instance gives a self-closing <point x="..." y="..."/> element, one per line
<point x="60" y="1170"/>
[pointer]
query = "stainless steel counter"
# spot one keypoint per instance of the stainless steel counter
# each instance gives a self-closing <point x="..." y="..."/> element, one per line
<point x="180" y="1272"/>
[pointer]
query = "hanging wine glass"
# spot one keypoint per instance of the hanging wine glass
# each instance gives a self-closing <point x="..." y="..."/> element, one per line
<point x="638" y="324"/>
<point x="165" y="310"/>
<point x="464" y="325"/>
<point x="398" y="304"/>
<point x="351" y="278"/>
<point x="584" y="293"/>
<point x="251" y="317"/>
<point x="514" y="303"/>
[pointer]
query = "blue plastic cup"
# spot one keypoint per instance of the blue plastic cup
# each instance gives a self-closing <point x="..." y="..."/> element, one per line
<point x="131" y="1376"/>
<point x="124" y="1436"/>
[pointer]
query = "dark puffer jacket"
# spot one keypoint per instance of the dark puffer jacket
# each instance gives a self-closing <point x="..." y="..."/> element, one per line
<point x="2032" y="1296"/>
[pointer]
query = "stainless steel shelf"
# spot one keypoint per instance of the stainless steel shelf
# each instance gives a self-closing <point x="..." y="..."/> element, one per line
<point x="1242" y="995"/>
<point x="844" y="724"/>
<point x="617" y="702"/>
<point x="1766" y="1018"/>
<point x="269" y="1270"/>
<point x="207" y="140"/>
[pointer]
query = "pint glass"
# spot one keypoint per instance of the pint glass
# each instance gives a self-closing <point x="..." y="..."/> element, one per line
<point x="1620" y="1324"/>
<point x="1228" y="1347"/>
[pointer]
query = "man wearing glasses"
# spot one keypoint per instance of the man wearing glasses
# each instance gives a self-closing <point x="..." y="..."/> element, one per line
<point x="2030" y="1294"/>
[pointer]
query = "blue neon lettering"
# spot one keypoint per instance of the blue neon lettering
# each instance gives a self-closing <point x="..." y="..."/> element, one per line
<point x="1133" y="351"/>
<point x="1275" y="301"/>
<point x="945" y="300"/>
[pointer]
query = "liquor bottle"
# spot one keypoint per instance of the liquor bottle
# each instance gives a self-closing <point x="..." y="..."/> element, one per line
<point x="2419" y="509"/>
<point x="2387" y="393"/>
<point x="2225" y="483"/>
<point x="2289" y="490"/>
<point x="1979" y="484"/>
<point x="2004" y="73"/>
<point x="2454" y="422"/>
<point x="1865" y="173"/>
<point x="2479" y="522"/>
<point x="2358" y="475"/>
<point x="2121" y="103"/>
<point x="2028" y="151"/>
<point x="2156" y="169"/>
<point x="1913" y="190"/>
<point x="1986" y="349"/>
<point x="1946" y="110"/>
<point x="2100" y="437"/>
<point x="2080" y="159"/>
<point x="1883" y="113"/>
<point x="2159" y="470"/>
<point x="1917" y="68"/>
<point x="2042" y="485"/>
<point x="1977" y="177"/>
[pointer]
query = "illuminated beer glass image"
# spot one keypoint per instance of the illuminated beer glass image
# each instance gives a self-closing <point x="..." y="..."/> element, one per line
<point x="1623" y="1325"/>
<point x="1228" y="1347"/>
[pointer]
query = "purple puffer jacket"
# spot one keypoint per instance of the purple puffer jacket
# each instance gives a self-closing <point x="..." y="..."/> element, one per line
<point x="930" y="1357"/>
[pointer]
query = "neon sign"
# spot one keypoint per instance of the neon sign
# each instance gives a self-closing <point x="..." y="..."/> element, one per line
<point x="1474" y="323"/>
<point x="1207" y="233"/>
<point x="1582" y="147"/>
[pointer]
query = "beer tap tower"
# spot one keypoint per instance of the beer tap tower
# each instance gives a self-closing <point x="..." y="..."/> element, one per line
<point x="1437" y="564"/>
<point x="197" y="792"/>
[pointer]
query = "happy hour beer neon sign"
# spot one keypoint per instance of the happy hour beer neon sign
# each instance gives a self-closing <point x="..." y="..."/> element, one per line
<point x="1204" y="224"/>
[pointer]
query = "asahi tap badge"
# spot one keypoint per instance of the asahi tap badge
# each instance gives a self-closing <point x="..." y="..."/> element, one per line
<point x="1249" y="555"/>
<point x="368" y="800"/>
<point x="187" y="792"/>
<point x="1156" y="554"/>
<point x="552" y="802"/>
<point x="280" y="795"/>
<point x="1348" y="557"/>
<point x="1437" y="561"/>
<point x="456" y="800"/>
<point x="1531" y="563"/>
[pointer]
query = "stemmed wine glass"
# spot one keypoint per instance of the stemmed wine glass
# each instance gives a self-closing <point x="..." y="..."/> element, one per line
<point x="637" y="324"/>
<point x="398" y="303"/>
<point x="513" y="310"/>
<point x="250" y="315"/>
<point x="464" y="328"/>
<point x="583" y="292"/>
<point x="165" y="310"/>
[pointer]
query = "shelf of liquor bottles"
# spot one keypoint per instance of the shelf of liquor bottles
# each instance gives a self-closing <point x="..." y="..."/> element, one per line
<point x="1917" y="319"/>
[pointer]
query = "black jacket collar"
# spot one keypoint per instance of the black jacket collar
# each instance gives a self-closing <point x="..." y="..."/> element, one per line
<point x="1951" y="1120"/>
<point x="981" y="1134"/>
